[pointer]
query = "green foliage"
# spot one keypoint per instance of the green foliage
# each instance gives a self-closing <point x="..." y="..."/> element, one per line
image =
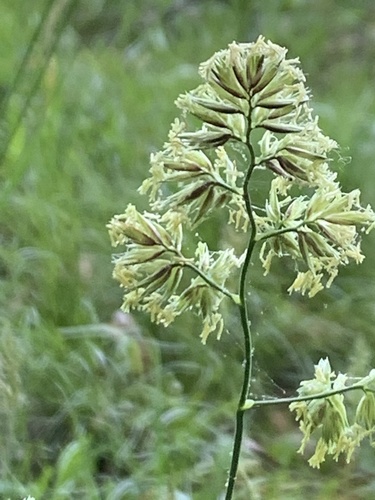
<point x="149" y="408"/>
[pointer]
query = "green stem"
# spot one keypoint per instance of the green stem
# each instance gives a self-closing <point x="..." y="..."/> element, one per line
<point x="227" y="187"/>
<point x="190" y="264"/>
<point x="251" y="403"/>
<point x="248" y="344"/>
<point x="212" y="283"/>
<point x="283" y="230"/>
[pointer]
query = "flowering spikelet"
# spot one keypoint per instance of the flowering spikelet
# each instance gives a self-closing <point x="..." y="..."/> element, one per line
<point x="246" y="87"/>
<point x="327" y="416"/>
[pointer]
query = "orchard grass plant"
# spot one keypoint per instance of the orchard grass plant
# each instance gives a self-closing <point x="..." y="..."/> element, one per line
<point x="254" y="116"/>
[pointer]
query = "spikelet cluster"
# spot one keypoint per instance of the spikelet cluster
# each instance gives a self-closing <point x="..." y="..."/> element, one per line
<point x="248" y="90"/>
<point x="327" y="417"/>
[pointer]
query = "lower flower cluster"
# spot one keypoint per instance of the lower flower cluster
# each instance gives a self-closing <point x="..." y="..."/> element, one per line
<point x="326" y="416"/>
<point x="152" y="269"/>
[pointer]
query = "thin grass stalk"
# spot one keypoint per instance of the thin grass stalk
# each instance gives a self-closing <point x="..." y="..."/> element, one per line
<point x="245" y="323"/>
<point x="60" y="26"/>
<point x="26" y="58"/>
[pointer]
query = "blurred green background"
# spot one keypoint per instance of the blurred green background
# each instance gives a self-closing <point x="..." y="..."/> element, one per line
<point x="99" y="405"/>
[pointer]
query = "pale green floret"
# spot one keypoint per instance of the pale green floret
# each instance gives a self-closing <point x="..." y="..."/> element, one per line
<point x="205" y="104"/>
<point x="200" y="185"/>
<point x="369" y="380"/>
<point x="365" y="414"/>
